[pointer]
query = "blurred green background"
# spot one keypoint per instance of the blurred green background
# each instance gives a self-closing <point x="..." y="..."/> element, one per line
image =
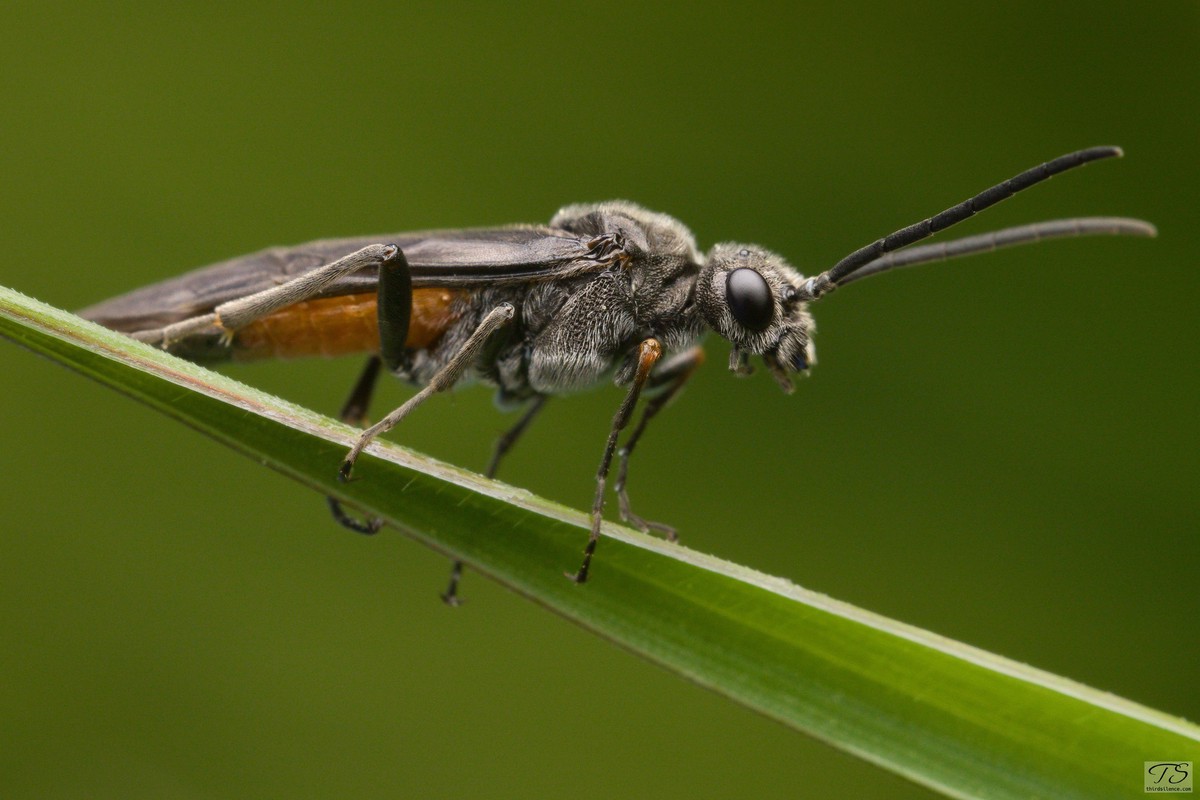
<point x="1003" y="451"/>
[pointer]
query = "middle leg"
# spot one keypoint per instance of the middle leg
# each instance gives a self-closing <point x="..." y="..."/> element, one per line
<point x="503" y="445"/>
<point x="443" y="379"/>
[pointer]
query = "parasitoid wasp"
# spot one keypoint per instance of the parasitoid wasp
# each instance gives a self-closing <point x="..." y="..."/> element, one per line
<point x="605" y="291"/>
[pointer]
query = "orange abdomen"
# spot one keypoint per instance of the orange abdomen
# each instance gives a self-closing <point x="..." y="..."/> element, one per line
<point x="335" y="326"/>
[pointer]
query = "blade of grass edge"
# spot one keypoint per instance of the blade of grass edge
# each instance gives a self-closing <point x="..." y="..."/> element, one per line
<point x="957" y="719"/>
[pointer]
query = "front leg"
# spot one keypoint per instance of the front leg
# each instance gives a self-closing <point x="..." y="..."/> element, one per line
<point x="649" y="351"/>
<point x="672" y="374"/>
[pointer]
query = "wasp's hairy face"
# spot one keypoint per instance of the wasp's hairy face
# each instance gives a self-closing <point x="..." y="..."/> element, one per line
<point x="750" y="296"/>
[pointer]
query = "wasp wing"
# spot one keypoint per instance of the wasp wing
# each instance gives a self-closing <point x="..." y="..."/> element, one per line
<point x="452" y="258"/>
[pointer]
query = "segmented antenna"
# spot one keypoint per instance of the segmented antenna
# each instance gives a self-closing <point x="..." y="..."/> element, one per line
<point x="1007" y="237"/>
<point x="832" y="278"/>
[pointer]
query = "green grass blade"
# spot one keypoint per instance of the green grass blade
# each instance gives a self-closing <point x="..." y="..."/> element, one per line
<point x="946" y="715"/>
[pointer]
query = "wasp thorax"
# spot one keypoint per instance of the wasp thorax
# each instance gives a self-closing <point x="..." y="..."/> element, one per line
<point x="750" y="296"/>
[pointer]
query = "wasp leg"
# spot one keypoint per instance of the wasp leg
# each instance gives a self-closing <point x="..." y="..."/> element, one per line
<point x="394" y="304"/>
<point x="510" y="437"/>
<point x="230" y="316"/>
<point x="503" y="445"/>
<point x="649" y="351"/>
<point x="354" y="412"/>
<point x="443" y="379"/>
<point x="671" y="374"/>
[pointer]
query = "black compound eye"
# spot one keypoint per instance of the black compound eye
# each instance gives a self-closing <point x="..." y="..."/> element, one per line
<point x="749" y="298"/>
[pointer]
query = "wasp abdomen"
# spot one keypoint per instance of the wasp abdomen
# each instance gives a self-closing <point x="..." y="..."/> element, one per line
<point x="335" y="326"/>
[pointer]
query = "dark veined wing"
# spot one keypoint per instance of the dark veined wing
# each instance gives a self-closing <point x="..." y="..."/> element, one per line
<point x="452" y="258"/>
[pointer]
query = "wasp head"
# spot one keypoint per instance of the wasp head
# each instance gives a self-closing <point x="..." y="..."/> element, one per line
<point x="753" y="298"/>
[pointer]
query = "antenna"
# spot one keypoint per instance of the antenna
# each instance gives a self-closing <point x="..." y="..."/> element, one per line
<point x="832" y="278"/>
<point x="1007" y="237"/>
